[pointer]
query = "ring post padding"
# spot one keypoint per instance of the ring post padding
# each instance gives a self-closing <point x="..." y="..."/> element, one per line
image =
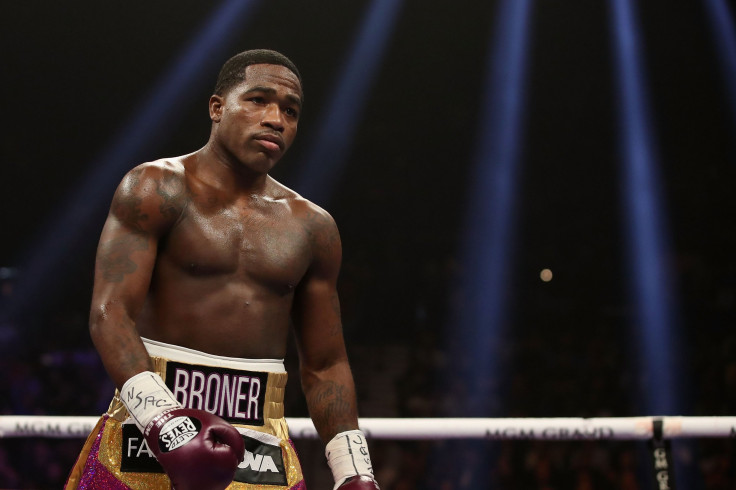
<point x="663" y="468"/>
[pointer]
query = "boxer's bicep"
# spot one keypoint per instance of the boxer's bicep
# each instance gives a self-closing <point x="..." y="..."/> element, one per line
<point x="123" y="267"/>
<point x="126" y="256"/>
<point x="122" y="275"/>
<point x="316" y="313"/>
<point x="326" y="377"/>
<point x="145" y="206"/>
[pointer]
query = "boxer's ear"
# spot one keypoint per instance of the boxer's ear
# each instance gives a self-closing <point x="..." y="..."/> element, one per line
<point x="216" y="106"/>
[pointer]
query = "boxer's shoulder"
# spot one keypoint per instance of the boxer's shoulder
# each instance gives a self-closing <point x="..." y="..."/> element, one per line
<point x="315" y="220"/>
<point x="151" y="194"/>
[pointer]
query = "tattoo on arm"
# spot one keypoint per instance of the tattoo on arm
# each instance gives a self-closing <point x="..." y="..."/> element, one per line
<point x="335" y="328"/>
<point x="128" y="211"/>
<point x="331" y="405"/>
<point x="115" y="256"/>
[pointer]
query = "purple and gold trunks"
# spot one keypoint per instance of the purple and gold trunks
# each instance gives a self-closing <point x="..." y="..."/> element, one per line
<point x="247" y="393"/>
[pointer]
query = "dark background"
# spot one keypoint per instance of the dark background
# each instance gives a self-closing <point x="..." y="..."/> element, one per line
<point x="75" y="73"/>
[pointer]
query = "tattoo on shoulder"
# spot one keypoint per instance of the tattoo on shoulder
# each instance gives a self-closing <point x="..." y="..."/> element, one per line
<point x="115" y="260"/>
<point x="321" y="229"/>
<point x="126" y="206"/>
<point x="171" y="189"/>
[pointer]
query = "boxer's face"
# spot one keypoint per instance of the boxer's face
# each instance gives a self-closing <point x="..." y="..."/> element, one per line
<point x="256" y="121"/>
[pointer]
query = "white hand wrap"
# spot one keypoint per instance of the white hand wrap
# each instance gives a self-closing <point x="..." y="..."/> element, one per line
<point x="347" y="455"/>
<point x="145" y="395"/>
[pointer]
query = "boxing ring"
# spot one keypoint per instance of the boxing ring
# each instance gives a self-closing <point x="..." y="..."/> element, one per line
<point x="658" y="431"/>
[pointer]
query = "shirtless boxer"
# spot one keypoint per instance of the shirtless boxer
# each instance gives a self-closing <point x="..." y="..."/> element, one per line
<point x="203" y="264"/>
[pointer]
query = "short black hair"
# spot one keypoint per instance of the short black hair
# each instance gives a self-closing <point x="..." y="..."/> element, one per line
<point x="233" y="71"/>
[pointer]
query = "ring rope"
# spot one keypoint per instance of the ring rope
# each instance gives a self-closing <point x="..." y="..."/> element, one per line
<point x="556" y="429"/>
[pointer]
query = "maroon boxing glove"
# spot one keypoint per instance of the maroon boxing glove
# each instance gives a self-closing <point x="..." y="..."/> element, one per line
<point x="359" y="483"/>
<point x="198" y="450"/>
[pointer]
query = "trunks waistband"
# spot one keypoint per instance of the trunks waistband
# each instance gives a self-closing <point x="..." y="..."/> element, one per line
<point x="245" y="392"/>
<point x="191" y="356"/>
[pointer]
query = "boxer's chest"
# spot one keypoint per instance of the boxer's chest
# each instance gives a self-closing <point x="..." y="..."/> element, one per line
<point x="262" y="242"/>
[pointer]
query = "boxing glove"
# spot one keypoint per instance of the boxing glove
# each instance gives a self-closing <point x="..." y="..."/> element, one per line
<point x="348" y="458"/>
<point x="198" y="450"/>
<point x="359" y="483"/>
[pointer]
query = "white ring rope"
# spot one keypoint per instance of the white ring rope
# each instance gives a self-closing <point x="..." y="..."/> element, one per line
<point x="557" y="429"/>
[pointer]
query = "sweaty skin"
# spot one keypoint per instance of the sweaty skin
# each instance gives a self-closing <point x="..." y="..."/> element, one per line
<point x="207" y="251"/>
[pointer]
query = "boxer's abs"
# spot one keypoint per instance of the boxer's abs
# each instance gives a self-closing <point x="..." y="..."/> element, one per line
<point x="221" y="319"/>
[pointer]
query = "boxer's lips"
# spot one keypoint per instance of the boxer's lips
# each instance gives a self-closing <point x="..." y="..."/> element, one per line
<point x="270" y="142"/>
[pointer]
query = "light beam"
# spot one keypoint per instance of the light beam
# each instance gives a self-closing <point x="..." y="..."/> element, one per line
<point x="69" y="229"/>
<point x="321" y="169"/>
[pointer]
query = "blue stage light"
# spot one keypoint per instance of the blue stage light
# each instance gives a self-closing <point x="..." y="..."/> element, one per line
<point x="724" y="34"/>
<point x="322" y="167"/>
<point x="477" y="325"/>
<point x="647" y="237"/>
<point x="69" y="229"/>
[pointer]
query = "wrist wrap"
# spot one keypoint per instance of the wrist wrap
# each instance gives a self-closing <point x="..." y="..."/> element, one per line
<point x="146" y="396"/>
<point x="347" y="455"/>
